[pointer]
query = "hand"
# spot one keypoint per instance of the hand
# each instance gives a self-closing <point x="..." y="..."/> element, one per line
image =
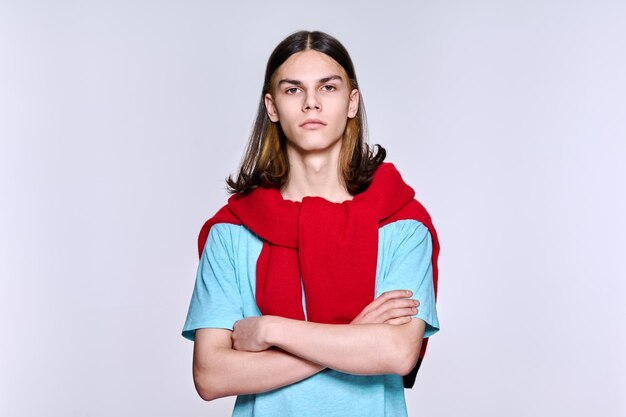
<point x="392" y="307"/>
<point x="248" y="335"/>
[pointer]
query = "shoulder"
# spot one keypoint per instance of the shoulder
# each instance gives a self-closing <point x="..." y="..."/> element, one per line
<point x="223" y="215"/>
<point x="405" y="236"/>
<point x="403" y="230"/>
<point x="224" y="231"/>
<point x="230" y="238"/>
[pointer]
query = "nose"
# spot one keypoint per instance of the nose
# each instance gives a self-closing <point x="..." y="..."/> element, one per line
<point x="311" y="101"/>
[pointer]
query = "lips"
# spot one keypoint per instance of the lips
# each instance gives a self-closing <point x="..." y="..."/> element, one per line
<point x="312" y="124"/>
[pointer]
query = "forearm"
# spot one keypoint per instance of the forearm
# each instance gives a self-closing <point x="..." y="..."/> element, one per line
<point x="221" y="371"/>
<point x="350" y="348"/>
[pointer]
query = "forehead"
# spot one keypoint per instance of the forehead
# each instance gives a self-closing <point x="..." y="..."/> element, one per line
<point x="309" y="64"/>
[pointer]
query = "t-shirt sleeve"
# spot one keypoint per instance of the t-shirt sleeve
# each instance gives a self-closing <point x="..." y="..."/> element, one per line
<point x="410" y="268"/>
<point x="216" y="300"/>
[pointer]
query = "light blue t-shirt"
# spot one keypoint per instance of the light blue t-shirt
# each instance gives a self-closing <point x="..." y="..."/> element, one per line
<point x="225" y="292"/>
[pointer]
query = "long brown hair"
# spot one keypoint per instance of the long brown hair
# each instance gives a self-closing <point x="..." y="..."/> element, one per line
<point x="265" y="162"/>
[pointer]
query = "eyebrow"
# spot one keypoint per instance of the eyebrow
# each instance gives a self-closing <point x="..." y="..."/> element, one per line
<point x="320" y="81"/>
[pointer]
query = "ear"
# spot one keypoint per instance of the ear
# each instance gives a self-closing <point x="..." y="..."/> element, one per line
<point x="272" y="113"/>
<point x="353" y="103"/>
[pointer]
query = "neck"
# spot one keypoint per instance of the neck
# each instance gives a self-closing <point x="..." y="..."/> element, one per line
<point x="315" y="174"/>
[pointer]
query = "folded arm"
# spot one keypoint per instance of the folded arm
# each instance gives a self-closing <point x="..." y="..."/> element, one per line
<point x="351" y="348"/>
<point x="220" y="371"/>
<point x="243" y="362"/>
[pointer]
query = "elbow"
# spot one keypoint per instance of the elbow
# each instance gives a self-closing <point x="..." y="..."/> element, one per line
<point x="207" y="387"/>
<point x="206" y="393"/>
<point x="405" y="364"/>
<point x="406" y="355"/>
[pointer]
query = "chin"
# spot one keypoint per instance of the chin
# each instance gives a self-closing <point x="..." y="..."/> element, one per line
<point x="313" y="144"/>
<point x="311" y="147"/>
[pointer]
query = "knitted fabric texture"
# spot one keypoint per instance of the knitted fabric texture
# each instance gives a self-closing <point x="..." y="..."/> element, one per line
<point x="328" y="250"/>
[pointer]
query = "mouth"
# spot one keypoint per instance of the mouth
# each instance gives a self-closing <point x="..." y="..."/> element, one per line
<point x="312" y="124"/>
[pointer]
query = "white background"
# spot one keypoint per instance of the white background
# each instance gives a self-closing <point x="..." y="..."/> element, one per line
<point x="119" y="121"/>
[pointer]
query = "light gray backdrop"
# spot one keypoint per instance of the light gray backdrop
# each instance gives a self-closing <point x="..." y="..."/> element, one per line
<point x="120" y="119"/>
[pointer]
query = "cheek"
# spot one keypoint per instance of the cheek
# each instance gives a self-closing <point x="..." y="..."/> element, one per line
<point x="287" y="107"/>
<point x="340" y="104"/>
<point x="339" y="111"/>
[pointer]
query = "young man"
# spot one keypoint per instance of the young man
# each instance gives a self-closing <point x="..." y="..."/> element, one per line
<point x="306" y="299"/>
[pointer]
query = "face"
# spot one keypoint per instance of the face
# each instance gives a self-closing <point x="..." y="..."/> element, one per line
<point x="312" y="100"/>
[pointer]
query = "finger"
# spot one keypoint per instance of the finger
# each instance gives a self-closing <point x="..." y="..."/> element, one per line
<point x="394" y="304"/>
<point x="399" y="302"/>
<point x="386" y="311"/>
<point x="399" y="312"/>
<point x="386" y="296"/>
<point x="399" y="320"/>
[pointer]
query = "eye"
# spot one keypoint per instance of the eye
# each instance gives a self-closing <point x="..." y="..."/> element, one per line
<point x="329" y="87"/>
<point x="291" y="90"/>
